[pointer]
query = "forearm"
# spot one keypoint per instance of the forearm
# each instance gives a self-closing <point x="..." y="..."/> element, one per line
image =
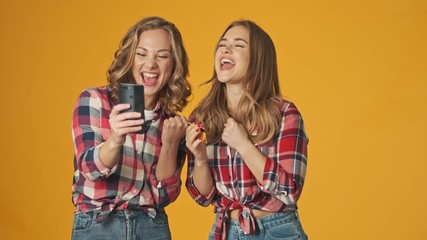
<point x="254" y="159"/>
<point x="165" y="167"/>
<point x="108" y="153"/>
<point x="202" y="178"/>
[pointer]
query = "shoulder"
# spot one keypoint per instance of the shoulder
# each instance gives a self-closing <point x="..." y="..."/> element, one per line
<point x="290" y="114"/>
<point x="289" y="108"/>
<point x="94" y="92"/>
<point x="91" y="95"/>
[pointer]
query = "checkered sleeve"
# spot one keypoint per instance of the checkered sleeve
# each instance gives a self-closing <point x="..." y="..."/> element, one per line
<point x="191" y="188"/>
<point x="167" y="190"/>
<point x="284" y="171"/>
<point x="87" y="135"/>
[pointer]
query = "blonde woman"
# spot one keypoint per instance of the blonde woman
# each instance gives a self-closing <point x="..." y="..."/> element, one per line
<point x="252" y="166"/>
<point x="123" y="180"/>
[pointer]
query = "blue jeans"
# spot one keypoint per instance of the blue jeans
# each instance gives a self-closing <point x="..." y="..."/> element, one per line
<point x="277" y="226"/>
<point x="126" y="225"/>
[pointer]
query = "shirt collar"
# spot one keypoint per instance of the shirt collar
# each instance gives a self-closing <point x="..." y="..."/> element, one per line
<point x="153" y="114"/>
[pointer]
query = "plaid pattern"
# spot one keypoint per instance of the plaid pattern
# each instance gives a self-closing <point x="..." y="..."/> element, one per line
<point x="237" y="188"/>
<point x="132" y="182"/>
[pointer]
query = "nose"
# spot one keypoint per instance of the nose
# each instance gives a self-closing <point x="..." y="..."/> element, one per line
<point x="151" y="62"/>
<point x="226" y="49"/>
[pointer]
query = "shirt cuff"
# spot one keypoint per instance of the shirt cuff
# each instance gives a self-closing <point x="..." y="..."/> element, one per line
<point x="103" y="170"/>
<point x="197" y="196"/>
<point x="165" y="183"/>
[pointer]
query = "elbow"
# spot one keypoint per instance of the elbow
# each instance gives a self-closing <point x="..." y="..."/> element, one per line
<point x="289" y="196"/>
<point x="89" y="173"/>
<point x="91" y="176"/>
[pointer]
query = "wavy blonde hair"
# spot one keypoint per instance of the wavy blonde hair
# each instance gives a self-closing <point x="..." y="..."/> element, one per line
<point x="175" y="93"/>
<point x="259" y="106"/>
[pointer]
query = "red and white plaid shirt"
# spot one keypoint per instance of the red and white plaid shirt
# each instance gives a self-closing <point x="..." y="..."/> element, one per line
<point x="132" y="182"/>
<point x="236" y="187"/>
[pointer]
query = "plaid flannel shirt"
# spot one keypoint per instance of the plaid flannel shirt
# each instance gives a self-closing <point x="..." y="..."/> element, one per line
<point x="132" y="182"/>
<point x="236" y="187"/>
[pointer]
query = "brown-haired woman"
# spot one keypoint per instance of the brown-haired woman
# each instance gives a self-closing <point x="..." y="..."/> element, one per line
<point x="253" y="164"/>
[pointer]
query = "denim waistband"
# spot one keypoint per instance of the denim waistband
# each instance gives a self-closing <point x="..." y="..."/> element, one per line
<point x="272" y="219"/>
<point x="125" y="213"/>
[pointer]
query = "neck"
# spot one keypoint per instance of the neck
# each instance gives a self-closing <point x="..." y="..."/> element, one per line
<point x="149" y="103"/>
<point x="234" y="92"/>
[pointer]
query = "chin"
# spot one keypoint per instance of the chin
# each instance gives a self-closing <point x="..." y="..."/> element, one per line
<point x="224" y="79"/>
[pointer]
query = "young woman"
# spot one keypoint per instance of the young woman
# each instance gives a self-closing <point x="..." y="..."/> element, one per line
<point x="124" y="180"/>
<point x="253" y="164"/>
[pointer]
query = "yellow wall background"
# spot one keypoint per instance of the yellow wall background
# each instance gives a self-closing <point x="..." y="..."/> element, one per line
<point x="357" y="70"/>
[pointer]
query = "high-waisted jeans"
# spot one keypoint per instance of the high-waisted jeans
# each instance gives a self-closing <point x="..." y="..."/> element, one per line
<point x="121" y="225"/>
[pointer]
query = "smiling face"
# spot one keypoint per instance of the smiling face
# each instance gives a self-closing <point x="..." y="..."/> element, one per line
<point x="232" y="55"/>
<point x="153" y="63"/>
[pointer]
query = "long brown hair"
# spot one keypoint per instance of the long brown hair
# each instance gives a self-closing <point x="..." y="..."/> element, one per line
<point x="258" y="108"/>
<point x="174" y="95"/>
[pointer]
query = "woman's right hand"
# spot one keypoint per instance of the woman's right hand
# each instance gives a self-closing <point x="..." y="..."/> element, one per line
<point x="123" y="123"/>
<point x="195" y="143"/>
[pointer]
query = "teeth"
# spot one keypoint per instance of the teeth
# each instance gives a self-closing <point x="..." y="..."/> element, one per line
<point x="226" y="60"/>
<point x="150" y="75"/>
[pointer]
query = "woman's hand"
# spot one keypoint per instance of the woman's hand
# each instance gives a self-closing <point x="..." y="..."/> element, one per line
<point x="234" y="134"/>
<point x="173" y="130"/>
<point x="195" y="142"/>
<point x="120" y="125"/>
<point x="123" y="123"/>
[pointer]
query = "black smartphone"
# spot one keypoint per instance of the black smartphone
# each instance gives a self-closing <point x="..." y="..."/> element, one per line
<point x="134" y="95"/>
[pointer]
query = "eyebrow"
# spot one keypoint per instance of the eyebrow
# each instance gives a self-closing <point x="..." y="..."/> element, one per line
<point x="161" y="50"/>
<point x="236" y="39"/>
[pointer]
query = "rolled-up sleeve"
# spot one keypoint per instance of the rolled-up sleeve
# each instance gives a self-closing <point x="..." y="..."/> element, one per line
<point x="285" y="169"/>
<point x="167" y="190"/>
<point x="191" y="188"/>
<point x="87" y="137"/>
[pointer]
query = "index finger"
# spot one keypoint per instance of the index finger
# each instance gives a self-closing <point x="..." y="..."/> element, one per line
<point x="183" y="120"/>
<point x="119" y="107"/>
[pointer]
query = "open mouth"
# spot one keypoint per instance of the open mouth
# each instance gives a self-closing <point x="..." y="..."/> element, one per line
<point x="149" y="79"/>
<point x="227" y="64"/>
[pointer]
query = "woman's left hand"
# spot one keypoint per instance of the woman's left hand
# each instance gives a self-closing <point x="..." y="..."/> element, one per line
<point x="234" y="134"/>
<point x="173" y="130"/>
